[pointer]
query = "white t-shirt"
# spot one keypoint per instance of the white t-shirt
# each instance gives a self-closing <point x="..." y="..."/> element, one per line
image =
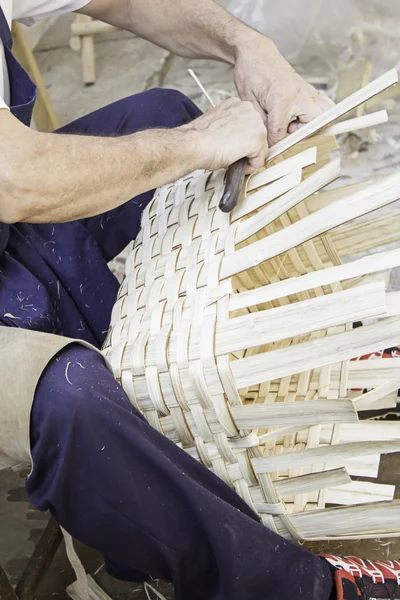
<point x="29" y="11"/>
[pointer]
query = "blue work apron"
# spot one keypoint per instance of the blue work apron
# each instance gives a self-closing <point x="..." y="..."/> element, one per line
<point x="54" y="278"/>
<point x="22" y="96"/>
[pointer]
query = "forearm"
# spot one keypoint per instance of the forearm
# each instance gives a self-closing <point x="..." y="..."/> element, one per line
<point x="189" y="28"/>
<point x="49" y="177"/>
<point x="58" y="178"/>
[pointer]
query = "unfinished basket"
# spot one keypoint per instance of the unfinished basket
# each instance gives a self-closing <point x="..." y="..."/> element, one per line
<point x="233" y="334"/>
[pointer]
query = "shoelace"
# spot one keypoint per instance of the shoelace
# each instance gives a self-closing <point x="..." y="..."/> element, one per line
<point x="366" y="593"/>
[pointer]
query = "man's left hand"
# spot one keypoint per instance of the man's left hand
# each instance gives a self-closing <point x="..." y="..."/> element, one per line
<point x="283" y="98"/>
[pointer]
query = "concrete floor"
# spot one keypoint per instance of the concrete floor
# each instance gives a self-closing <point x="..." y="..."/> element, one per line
<point x="127" y="65"/>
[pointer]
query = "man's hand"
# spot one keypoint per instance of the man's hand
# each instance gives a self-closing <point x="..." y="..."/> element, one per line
<point x="228" y="132"/>
<point x="282" y="97"/>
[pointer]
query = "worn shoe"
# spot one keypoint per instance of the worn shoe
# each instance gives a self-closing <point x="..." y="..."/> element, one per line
<point x="358" y="579"/>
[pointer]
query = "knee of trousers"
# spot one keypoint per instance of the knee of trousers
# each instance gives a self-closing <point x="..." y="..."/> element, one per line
<point x="167" y="107"/>
<point x="76" y="389"/>
<point x="76" y="421"/>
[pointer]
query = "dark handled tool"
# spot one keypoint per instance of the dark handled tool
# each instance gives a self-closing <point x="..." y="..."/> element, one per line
<point x="233" y="185"/>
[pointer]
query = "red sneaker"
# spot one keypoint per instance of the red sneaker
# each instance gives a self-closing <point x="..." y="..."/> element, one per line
<point x="358" y="579"/>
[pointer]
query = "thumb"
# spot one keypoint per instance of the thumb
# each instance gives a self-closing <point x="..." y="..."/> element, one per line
<point x="278" y="123"/>
<point x="260" y="110"/>
<point x="295" y="125"/>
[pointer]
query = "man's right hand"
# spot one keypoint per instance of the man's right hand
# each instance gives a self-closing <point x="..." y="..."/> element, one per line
<point x="228" y="132"/>
<point x="47" y="178"/>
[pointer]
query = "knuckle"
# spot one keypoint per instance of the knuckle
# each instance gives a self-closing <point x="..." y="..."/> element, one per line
<point x="248" y="109"/>
<point x="247" y="104"/>
<point x="224" y="104"/>
<point x="233" y="101"/>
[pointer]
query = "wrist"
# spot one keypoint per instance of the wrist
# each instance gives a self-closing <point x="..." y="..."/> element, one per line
<point x="193" y="150"/>
<point x="232" y="38"/>
<point x="249" y="46"/>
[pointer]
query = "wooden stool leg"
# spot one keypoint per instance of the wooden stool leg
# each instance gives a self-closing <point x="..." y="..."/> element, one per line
<point x="6" y="590"/>
<point x="88" y="60"/>
<point x="83" y="30"/>
<point x="43" y="113"/>
<point x="39" y="562"/>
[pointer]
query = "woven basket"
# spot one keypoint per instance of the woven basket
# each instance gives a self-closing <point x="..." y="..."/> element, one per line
<point x="233" y="334"/>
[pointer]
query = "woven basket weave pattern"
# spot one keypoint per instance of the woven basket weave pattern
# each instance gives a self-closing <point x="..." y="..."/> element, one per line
<point x="261" y="388"/>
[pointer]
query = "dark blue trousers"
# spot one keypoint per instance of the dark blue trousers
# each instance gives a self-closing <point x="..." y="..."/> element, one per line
<point x="107" y="477"/>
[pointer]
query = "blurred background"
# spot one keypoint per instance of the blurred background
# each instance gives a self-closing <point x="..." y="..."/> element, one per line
<point x="321" y="38"/>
